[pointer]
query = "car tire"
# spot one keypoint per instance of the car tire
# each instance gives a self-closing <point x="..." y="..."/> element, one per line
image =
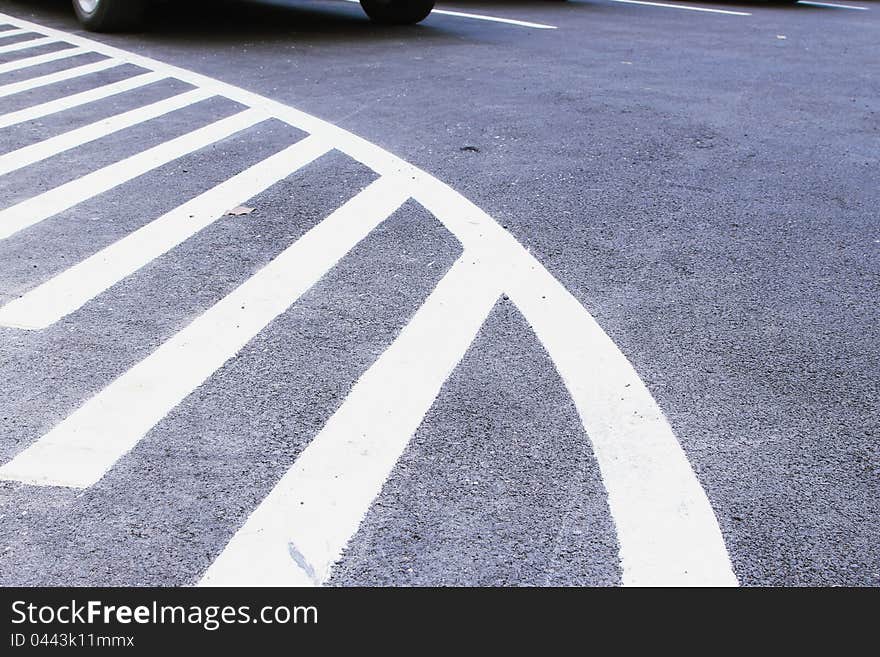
<point x="397" y="12"/>
<point x="110" y="15"/>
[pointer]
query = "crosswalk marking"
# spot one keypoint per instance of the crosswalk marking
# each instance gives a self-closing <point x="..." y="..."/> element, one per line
<point x="53" y="78"/>
<point x="39" y="208"/>
<point x="73" y="288"/>
<point x="77" y="452"/>
<point x="36" y="60"/>
<point x="47" y="148"/>
<point x="300" y="529"/>
<point x="666" y="528"/>
<point x="82" y="98"/>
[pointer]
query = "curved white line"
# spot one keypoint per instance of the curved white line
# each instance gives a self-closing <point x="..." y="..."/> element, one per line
<point x="667" y="531"/>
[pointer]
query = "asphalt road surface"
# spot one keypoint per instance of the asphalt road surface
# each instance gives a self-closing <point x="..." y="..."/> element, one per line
<point x="583" y="296"/>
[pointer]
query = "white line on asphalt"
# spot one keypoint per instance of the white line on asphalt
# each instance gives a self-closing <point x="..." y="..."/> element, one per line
<point x="13" y="32"/>
<point x="494" y="19"/>
<point x="832" y="4"/>
<point x="71" y="289"/>
<point x="39" y="208"/>
<point x="25" y="62"/>
<point x="685" y="7"/>
<point x="82" y="98"/>
<point x="484" y="17"/>
<point x="666" y="527"/>
<point x="300" y="529"/>
<point x="80" y="450"/>
<point x="646" y="433"/>
<point x="40" y="151"/>
<point x="23" y="45"/>
<point x="59" y="76"/>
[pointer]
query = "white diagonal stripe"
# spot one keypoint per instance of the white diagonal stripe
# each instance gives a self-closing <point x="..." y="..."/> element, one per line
<point x="667" y="5"/>
<point x="300" y="529"/>
<point x="71" y="289"/>
<point x="40" y="151"/>
<point x="36" y="60"/>
<point x="24" y="45"/>
<point x="82" y="98"/>
<point x="59" y="76"/>
<point x="13" y="32"/>
<point x="80" y="450"/>
<point x="39" y="208"/>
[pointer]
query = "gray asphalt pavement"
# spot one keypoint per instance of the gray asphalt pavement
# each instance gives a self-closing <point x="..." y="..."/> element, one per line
<point x="705" y="183"/>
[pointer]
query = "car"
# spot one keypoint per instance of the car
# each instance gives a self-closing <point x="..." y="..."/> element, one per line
<point x="116" y="15"/>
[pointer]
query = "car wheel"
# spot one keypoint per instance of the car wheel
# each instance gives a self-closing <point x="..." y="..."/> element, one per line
<point x="397" y="12"/>
<point x="109" y="15"/>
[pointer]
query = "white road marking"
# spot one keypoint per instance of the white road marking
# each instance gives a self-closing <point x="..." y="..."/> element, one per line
<point x="484" y="17"/>
<point x="684" y="7"/>
<point x="59" y="76"/>
<point x="300" y="529"/>
<point x="832" y="4"/>
<point x="36" y="60"/>
<point x="494" y="19"/>
<point x="39" y="208"/>
<point x="666" y="528"/>
<point x="82" y="98"/>
<point x="40" y="151"/>
<point x="73" y="288"/>
<point x="24" y="45"/>
<point x="80" y="450"/>
<point x="13" y="32"/>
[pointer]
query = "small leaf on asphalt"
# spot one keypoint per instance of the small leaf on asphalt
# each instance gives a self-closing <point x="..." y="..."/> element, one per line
<point x="240" y="210"/>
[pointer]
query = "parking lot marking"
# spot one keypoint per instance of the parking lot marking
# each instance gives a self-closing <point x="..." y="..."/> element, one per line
<point x="484" y="17"/>
<point x="60" y="76"/>
<point x="494" y="19"/>
<point x="82" y="98"/>
<point x="832" y="4"/>
<point x="36" y="60"/>
<point x="24" y="45"/>
<point x="666" y="528"/>
<point x="28" y="155"/>
<point x="74" y="287"/>
<point x="43" y="206"/>
<point x="685" y="7"/>
<point x="80" y="450"/>
<point x="300" y="529"/>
